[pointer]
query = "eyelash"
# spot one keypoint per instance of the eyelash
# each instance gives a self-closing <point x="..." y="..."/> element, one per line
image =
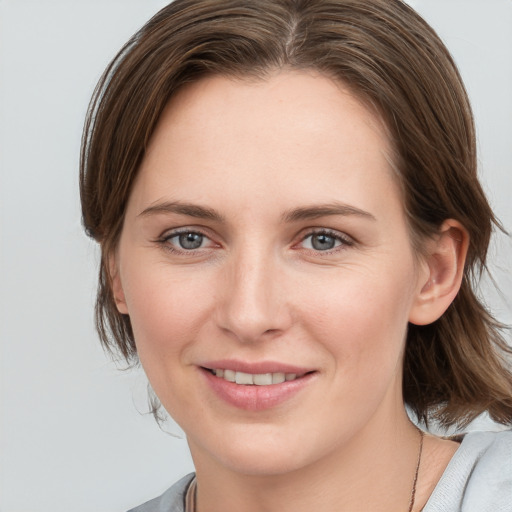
<point x="344" y="240"/>
<point x="166" y="238"/>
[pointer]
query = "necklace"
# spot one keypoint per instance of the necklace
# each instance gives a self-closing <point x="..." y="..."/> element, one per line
<point x="415" y="481"/>
<point x="190" y="496"/>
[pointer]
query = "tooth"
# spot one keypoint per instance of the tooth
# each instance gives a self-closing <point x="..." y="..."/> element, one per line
<point x="277" y="378"/>
<point x="262" y="379"/>
<point x="243" y="378"/>
<point x="290" y="376"/>
<point x="230" y="375"/>
<point x="219" y="373"/>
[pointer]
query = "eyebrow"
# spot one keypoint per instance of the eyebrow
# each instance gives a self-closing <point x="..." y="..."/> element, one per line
<point x="294" y="215"/>
<point x="324" y="210"/>
<point x="191" y="210"/>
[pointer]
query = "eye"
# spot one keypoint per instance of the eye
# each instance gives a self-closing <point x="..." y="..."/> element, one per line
<point x="186" y="240"/>
<point x="325" y="241"/>
<point x="189" y="241"/>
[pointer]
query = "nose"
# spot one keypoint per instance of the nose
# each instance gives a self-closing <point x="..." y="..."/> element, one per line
<point x="254" y="304"/>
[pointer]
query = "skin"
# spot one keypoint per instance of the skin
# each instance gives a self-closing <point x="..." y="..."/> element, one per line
<point x="258" y="290"/>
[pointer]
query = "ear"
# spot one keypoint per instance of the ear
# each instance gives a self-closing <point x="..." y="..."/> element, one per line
<point x="116" y="285"/>
<point x="441" y="277"/>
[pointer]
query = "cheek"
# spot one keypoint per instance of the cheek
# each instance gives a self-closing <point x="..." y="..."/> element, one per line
<point x="167" y="310"/>
<point x="360" y="325"/>
<point x="361" y="318"/>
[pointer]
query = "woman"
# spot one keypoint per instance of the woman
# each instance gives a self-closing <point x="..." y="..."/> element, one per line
<point x="286" y="200"/>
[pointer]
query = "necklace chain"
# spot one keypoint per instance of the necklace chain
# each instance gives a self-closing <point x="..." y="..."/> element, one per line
<point x="190" y="496"/>
<point x="415" y="481"/>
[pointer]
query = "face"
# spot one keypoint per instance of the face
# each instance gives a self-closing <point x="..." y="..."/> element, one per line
<point x="265" y="243"/>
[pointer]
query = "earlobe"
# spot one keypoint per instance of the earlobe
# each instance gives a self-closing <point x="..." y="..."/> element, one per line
<point x="444" y="269"/>
<point x="116" y="285"/>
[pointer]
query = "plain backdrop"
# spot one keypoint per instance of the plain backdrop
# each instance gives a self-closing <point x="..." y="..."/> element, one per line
<point x="73" y="436"/>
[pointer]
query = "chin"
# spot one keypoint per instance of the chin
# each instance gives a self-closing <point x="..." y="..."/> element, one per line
<point x="261" y="452"/>
<point x="259" y="463"/>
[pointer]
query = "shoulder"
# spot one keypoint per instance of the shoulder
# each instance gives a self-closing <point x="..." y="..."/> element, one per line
<point x="479" y="476"/>
<point x="171" y="500"/>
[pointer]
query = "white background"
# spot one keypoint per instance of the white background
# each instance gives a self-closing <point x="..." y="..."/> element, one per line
<point x="71" y="436"/>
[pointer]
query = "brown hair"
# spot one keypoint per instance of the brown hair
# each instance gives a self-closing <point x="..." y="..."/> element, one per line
<point x="455" y="368"/>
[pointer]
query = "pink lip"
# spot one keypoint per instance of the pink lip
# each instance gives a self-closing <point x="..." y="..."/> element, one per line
<point x="251" y="397"/>
<point x="255" y="368"/>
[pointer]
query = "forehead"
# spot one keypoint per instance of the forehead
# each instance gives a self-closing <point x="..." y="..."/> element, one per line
<point x="310" y="100"/>
<point x="297" y="135"/>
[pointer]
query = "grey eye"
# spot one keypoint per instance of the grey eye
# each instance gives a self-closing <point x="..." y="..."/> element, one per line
<point x="190" y="241"/>
<point x="321" y="242"/>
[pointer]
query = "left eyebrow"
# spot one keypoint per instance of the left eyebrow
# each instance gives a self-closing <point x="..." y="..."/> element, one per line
<point x="188" y="209"/>
<point x="324" y="210"/>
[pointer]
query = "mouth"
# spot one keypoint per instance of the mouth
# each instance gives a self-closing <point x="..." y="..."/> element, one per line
<point x="256" y="385"/>
<point x="254" y="379"/>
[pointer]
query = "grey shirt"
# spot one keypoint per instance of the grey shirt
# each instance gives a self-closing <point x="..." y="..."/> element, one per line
<point x="477" y="479"/>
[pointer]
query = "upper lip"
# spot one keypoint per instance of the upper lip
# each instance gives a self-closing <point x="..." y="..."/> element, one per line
<point x="255" y="368"/>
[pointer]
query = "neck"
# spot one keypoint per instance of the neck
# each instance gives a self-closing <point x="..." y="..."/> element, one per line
<point x="374" y="471"/>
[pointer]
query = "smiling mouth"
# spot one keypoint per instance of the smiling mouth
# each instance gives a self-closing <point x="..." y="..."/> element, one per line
<point x="255" y="379"/>
<point x="266" y="388"/>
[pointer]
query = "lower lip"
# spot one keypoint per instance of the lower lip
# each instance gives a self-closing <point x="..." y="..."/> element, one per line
<point x="256" y="398"/>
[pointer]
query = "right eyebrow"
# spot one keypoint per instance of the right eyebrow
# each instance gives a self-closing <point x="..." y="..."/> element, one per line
<point x="188" y="209"/>
<point x="325" y="210"/>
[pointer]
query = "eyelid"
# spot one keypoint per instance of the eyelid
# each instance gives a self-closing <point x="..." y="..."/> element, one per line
<point x="167" y="235"/>
<point x="344" y="239"/>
